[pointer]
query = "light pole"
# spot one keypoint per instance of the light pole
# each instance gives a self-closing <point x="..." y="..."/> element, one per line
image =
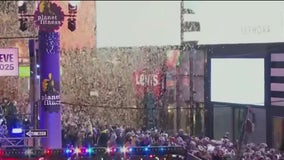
<point x="34" y="84"/>
<point x="189" y="24"/>
<point x="48" y="17"/>
<point x="177" y="98"/>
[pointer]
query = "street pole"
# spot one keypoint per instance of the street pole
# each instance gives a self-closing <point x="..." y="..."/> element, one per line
<point x="32" y="82"/>
<point x="178" y="103"/>
<point x="163" y="112"/>
<point x="37" y="89"/>
<point x="191" y="92"/>
<point x="34" y="85"/>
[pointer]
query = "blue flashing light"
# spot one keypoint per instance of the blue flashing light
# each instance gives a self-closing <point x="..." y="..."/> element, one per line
<point x="146" y="149"/>
<point x="17" y="130"/>
<point x="37" y="77"/>
<point x="130" y="149"/>
<point x="68" y="151"/>
<point x="162" y="149"/>
<point x="37" y="65"/>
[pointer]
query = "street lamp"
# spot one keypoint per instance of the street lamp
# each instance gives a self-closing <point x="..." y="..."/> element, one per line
<point x="72" y="6"/>
<point x="22" y="7"/>
<point x="72" y="24"/>
<point x="23" y="24"/>
<point x="22" y="10"/>
<point x="72" y="10"/>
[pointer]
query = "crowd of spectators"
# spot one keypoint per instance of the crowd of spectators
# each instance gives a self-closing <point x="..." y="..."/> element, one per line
<point x="92" y="133"/>
<point x="201" y="147"/>
<point x="9" y="117"/>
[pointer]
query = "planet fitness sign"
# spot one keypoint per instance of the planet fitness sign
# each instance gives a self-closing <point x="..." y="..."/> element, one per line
<point x="48" y="16"/>
<point x="9" y="62"/>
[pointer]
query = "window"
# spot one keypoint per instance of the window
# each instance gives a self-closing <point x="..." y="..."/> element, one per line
<point x="278" y="132"/>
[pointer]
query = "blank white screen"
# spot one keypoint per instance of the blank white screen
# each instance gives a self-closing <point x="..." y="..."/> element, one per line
<point x="137" y="23"/>
<point x="237" y="80"/>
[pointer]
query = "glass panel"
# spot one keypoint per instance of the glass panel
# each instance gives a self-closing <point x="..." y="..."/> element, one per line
<point x="239" y="117"/>
<point x="231" y="118"/>
<point x="278" y="132"/>
<point x="259" y="134"/>
<point x="168" y="122"/>
<point x="222" y="122"/>
<point x="185" y="119"/>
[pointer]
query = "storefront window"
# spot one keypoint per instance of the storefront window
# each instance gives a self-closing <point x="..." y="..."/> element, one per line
<point x="223" y="122"/>
<point x="278" y="133"/>
<point x="231" y="118"/>
<point x="259" y="133"/>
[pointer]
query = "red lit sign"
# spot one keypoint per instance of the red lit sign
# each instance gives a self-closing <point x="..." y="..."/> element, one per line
<point x="145" y="82"/>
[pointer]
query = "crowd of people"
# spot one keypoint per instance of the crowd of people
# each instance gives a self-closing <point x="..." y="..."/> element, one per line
<point x="9" y="117"/>
<point x="95" y="134"/>
<point x="209" y="149"/>
<point x="201" y="147"/>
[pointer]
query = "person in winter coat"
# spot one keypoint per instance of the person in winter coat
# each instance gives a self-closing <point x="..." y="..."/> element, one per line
<point x="103" y="138"/>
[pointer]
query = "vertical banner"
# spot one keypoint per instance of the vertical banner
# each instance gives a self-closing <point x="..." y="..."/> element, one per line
<point x="50" y="109"/>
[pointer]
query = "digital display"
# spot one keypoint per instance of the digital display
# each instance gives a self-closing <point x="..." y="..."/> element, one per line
<point x="238" y="80"/>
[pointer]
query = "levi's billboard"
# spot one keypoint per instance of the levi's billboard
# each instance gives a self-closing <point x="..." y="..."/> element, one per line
<point x="145" y="81"/>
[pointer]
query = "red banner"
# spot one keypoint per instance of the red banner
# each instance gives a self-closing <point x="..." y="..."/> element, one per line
<point x="145" y="81"/>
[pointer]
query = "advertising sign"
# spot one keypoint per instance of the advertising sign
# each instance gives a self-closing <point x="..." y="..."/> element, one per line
<point x="50" y="74"/>
<point x="9" y="62"/>
<point x="258" y="22"/>
<point x="48" y="16"/>
<point x="146" y="82"/>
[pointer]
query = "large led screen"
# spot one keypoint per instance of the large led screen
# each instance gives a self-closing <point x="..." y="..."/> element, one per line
<point x="237" y="80"/>
<point x="137" y="23"/>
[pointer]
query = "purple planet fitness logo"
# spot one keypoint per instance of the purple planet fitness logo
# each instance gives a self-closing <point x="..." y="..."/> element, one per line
<point x="48" y="16"/>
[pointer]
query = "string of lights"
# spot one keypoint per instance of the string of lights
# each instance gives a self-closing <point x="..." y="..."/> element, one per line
<point x="89" y="152"/>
